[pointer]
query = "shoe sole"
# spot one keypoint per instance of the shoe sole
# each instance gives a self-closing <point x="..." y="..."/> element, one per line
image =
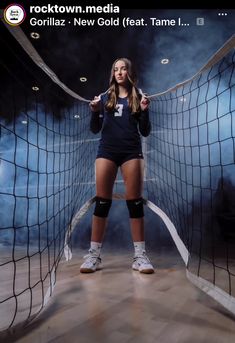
<point x="87" y="270"/>
<point x="144" y="271"/>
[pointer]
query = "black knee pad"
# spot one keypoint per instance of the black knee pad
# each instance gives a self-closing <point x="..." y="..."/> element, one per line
<point x="135" y="207"/>
<point x="102" y="207"/>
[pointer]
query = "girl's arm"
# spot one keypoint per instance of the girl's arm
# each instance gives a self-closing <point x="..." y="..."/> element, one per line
<point x="144" y="122"/>
<point x="96" y="115"/>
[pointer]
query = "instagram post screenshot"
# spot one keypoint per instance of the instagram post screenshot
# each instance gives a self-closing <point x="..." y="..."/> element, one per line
<point x="117" y="173"/>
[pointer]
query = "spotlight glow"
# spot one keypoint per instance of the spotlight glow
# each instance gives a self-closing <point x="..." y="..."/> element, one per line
<point x="35" y="35"/>
<point x="165" y="61"/>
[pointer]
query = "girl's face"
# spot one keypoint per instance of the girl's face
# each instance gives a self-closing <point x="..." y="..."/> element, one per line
<point x="120" y="73"/>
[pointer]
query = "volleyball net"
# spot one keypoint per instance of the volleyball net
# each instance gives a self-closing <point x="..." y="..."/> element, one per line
<point x="47" y="177"/>
<point x="191" y="172"/>
<point x="46" y="174"/>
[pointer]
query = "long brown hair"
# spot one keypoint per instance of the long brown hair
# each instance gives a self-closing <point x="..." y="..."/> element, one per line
<point x="133" y="93"/>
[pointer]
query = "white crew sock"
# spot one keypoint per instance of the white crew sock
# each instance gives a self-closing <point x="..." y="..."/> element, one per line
<point x="95" y="248"/>
<point x="139" y="248"/>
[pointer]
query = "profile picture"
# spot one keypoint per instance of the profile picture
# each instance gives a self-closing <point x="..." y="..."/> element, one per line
<point x="14" y="14"/>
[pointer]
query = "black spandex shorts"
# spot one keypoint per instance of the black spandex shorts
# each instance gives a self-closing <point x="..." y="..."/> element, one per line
<point x="119" y="157"/>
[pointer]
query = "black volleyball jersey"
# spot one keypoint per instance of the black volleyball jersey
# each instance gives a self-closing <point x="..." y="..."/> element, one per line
<point x="120" y="130"/>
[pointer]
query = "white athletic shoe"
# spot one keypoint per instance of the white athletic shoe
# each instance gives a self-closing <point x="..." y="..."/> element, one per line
<point x="142" y="264"/>
<point x="91" y="264"/>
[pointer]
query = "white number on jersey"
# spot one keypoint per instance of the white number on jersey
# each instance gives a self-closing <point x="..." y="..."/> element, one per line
<point x="118" y="110"/>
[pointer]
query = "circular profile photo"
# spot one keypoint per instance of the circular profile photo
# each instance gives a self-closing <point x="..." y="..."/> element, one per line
<point x="14" y="14"/>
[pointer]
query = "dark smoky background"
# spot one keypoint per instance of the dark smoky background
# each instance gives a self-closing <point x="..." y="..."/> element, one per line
<point x="74" y="52"/>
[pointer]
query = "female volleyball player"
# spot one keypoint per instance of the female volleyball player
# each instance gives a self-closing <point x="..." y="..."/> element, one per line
<point x="122" y="115"/>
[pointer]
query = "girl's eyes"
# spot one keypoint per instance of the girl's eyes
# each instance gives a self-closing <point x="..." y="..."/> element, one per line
<point x="123" y="68"/>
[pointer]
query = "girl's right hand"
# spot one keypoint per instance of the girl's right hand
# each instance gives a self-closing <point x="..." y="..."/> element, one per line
<point x="95" y="104"/>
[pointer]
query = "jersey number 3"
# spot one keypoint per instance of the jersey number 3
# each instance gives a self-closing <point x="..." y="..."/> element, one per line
<point x="118" y="110"/>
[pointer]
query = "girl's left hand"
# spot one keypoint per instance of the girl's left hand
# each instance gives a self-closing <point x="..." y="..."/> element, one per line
<point x="144" y="103"/>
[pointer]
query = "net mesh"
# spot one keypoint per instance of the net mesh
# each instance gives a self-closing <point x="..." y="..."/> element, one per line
<point x="191" y="171"/>
<point x="47" y="174"/>
<point x="44" y="180"/>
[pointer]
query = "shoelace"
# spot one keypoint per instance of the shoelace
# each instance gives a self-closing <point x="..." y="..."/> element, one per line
<point x="90" y="258"/>
<point x="144" y="259"/>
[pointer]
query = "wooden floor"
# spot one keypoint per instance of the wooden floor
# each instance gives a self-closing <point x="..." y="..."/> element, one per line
<point x="119" y="305"/>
